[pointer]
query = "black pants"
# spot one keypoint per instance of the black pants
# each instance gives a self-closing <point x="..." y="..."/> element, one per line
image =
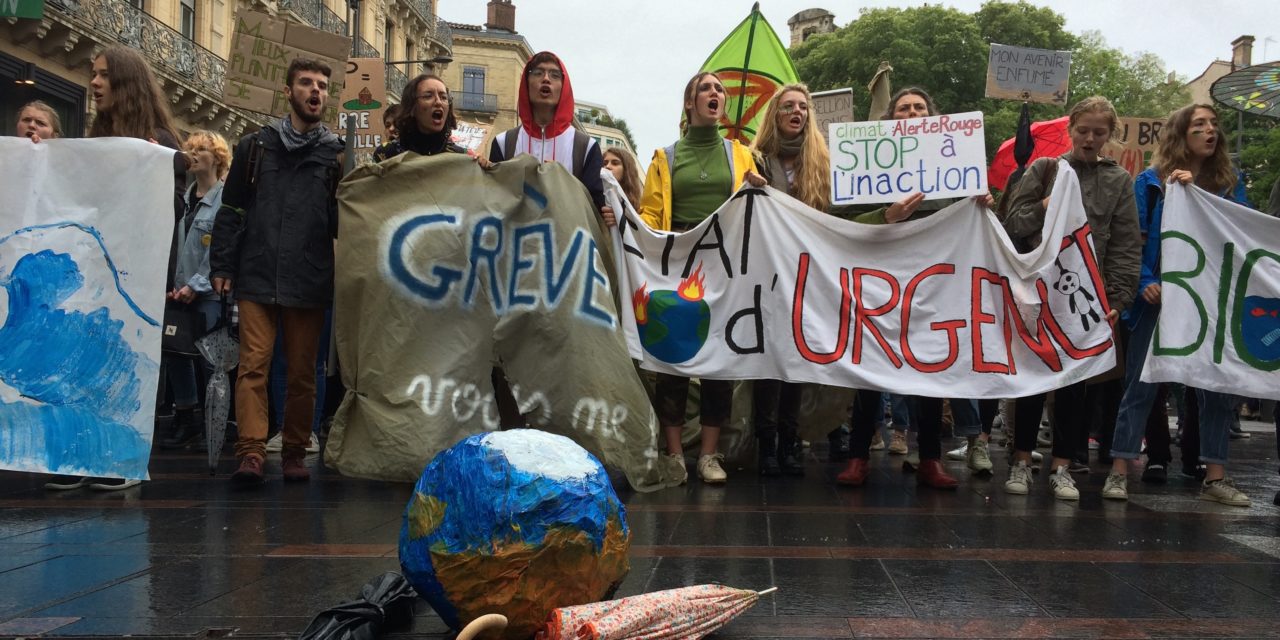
<point x="925" y="412"/>
<point x="988" y="409"/>
<point x="1070" y="413"/>
<point x="671" y="396"/>
<point x="1157" y="431"/>
<point x="776" y="406"/>
<point x="1104" y="404"/>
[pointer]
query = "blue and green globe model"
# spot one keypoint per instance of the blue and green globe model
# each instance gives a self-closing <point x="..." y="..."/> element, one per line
<point x="514" y="522"/>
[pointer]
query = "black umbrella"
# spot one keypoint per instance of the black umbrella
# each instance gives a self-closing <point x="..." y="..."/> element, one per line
<point x="1253" y="89"/>
<point x="1024" y="144"/>
<point x="385" y="602"/>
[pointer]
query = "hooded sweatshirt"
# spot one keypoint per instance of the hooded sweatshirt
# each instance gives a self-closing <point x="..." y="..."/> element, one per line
<point x="554" y="142"/>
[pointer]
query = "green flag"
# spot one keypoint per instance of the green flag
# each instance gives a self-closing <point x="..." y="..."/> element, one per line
<point x="33" y="9"/>
<point x="753" y="65"/>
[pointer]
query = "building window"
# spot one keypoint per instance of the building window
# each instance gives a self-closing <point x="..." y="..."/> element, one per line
<point x="386" y="44"/>
<point x="187" y="18"/>
<point x="137" y="4"/>
<point x="473" y="80"/>
<point x="409" y="55"/>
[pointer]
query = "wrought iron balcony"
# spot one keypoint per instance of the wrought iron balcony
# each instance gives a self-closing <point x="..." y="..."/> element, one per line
<point x="423" y="7"/>
<point x="117" y="21"/>
<point x="314" y="13"/>
<point x="366" y="50"/>
<point x="444" y="34"/>
<point x="396" y="80"/>
<point x="477" y="102"/>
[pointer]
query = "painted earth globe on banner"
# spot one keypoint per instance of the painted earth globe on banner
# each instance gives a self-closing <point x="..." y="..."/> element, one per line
<point x="513" y="522"/>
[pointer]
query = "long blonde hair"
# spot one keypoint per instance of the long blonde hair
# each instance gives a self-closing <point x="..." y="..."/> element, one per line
<point x="1216" y="172"/>
<point x="812" y="184"/>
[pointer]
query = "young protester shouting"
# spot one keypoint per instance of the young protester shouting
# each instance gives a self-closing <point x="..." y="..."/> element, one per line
<point x="1107" y="192"/>
<point x="925" y="413"/>
<point x="687" y="181"/>
<point x="792" y="157"/>
<point x="426" y="119"/>
<point x="1191" y="151"/>
<point x="273" y="247"/>
<point x="38" y="121"/>
<point x="129" y="103"/>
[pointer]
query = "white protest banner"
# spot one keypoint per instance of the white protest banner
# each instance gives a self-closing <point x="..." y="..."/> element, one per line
<point x="767" y="288"/>
<point x="365" y="82"/>
<point x="1219" y="325"/>
<point x="1021" y="73"/>
<point x="84" y="245"/>
<point x="831" y="106"/>
<point x="888" y="160"/>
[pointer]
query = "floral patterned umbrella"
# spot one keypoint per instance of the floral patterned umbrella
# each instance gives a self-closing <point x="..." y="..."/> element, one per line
<point x="1253" y="89"/>
<point x="686" y="613"/>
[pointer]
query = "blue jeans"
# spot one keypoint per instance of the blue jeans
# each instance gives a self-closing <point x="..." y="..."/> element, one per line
<point x="1216" y="409"/>
<point x="965" y="413"/>
<point x="900" y="411"/>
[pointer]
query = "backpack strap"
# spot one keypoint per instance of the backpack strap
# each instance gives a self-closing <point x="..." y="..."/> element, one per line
<point x="728" y="154"/>
<point x="509" y="143"/>
<point x="580" y="143"/>
<point x="671" y="160"/>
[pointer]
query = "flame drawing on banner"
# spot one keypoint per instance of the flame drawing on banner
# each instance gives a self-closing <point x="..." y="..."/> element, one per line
<point x="692" y="288"/>
<point x="640" y="300"/>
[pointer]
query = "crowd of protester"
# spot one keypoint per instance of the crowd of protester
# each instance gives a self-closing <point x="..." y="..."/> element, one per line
<point x="256" y="224"/>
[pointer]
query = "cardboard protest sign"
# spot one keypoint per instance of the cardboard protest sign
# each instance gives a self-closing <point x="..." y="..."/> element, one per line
<point x="444" y="269"/>
<point x="1219" y="325"/>
<point x="1021" y="73"/>
<point x="470" y="135"/>
<point x="831" y="106"/>
<point x="887" y="160"/>
<point x="1136" y="143"/>
<point x="84" y="243"/>
<point x="363" y="101"/>
<point x="262" y="48"/>
<point x="945" y="306"/>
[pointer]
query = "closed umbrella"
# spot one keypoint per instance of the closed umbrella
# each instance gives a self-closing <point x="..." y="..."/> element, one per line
<point x="385" y="602"/>
<point x="686" y="613"/>
<point x="1049" y="138"/>
<point x="221" y="347"/>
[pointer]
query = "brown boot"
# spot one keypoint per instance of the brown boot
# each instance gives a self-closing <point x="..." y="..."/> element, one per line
<point x="855" y="474"/>
<point x="295" y="470"/>
<point x="250" y="471"/>
<point x="932" y="474"/>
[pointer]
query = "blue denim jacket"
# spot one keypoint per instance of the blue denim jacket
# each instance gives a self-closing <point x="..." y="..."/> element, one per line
<point x="193" y="243"/>
<point x="1149" y="193"/>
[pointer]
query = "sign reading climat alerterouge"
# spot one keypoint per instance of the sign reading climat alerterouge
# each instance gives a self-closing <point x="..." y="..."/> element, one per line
<point x="888" y="160"/>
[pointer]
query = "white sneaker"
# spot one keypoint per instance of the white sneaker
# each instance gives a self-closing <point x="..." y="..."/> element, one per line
<point x="66" y="483"/>
<point x="1064" y="486"/>
<point x="978" y="458"/>
<point x="1116" y="487"/>
<point x="276" y="443"/>
<point x="959" y="454"/>
<point x="114" y="485"/>
<point x="1019" y="482"/>
<point x="313" y="446"/>
<point x="675" y="466"/>
<point x="1223" y="490"/>
<point x="877" y="441"/>
<point x="709" y="468"/>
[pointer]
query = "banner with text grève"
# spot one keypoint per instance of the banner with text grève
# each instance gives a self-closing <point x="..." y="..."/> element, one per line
<point x="888" y="160"/>
<point x="767" y="288"/>
<point x="1219" y="326"/>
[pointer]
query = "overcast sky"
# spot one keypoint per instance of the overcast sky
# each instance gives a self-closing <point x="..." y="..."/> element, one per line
<point x="634" y="57"/>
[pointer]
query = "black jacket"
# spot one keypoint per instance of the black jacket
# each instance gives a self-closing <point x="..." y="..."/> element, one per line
<point x="273" y="236"/>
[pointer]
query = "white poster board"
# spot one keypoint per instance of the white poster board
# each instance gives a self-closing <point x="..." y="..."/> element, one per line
<point x="888" y="160"/>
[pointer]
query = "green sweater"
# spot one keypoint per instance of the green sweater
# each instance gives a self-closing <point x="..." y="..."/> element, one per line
<point x="700" y="152"/>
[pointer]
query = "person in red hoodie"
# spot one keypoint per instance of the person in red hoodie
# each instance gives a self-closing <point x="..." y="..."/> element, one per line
<point x="546" y="132"/>
<point x="546" y="128"/>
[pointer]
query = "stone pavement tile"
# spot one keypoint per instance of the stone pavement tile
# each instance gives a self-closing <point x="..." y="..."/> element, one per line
<point x="637" y="580"/>
<point x="843" y="588"/>
<point x="742" y="573"/>
<point x="1197" y="590"/>
<point x="292" y="586"/>
<point x="18" y="518"/>
<point x="958" y="588"/>
<point x="798" y="492"/>
<point x="13" y="556"/>
<point x="713" y="529"/>
<point x="166" y="590"/>
<point x="1264" y="578"/>
<point x="907" y="531"/>
<point x="651" y="527"/>
<point x="96" y="526"/>
<point x="815" y="529"/>
<point x="33" y="626"/>
<point x="1102" y="628"/>
<point x="792" y="627"/>
<point x="44" y="583"/>
<point x="1081" y="590"/>
<point x="1264" y="545"/>
<point x="186" y="626"/>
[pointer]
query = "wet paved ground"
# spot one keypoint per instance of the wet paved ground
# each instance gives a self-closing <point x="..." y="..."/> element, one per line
<point x="185" y="555"/>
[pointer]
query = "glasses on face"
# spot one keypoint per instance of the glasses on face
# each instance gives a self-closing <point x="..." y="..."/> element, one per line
<point x="432" y="96"/>
<point x="540" y="73"/>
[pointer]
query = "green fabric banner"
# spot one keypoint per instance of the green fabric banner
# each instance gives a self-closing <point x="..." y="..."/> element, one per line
<point x="753" y="64"/>
<point x="33" y="9"/>
<point x="443" y="271"/>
